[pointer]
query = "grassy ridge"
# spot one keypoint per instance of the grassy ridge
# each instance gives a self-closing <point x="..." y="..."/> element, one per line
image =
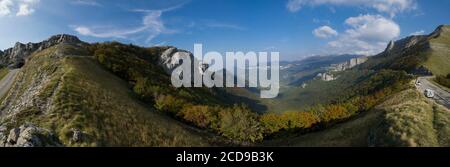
<point x="438" y="61"/>
<point x="79" y="94"/>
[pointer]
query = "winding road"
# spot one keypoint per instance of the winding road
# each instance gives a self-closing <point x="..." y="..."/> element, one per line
<point x="7" y="82"/>
<point x="442" y="96"/>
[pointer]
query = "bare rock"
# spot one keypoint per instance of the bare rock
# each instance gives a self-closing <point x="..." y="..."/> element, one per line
<point x="171" y="59"/>
<point x="13" y="136"/>
<point x="77" y="136"/>
<point x="28" y="136"/>
<point x="3" y="135"/>
<point x="15" y="57"/>
<point x="348" y="64"/>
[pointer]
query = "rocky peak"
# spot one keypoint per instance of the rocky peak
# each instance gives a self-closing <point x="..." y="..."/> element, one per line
<point x="405" y="43"/>
<point x="15" y="57"/>
<point x="170" y="59"/>
<point x="63" y="38"/>
<point x="441" y="29"/>
<point x="390" y="46"/>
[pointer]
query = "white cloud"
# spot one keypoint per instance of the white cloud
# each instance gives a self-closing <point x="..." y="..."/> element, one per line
<point x="325" y="32"/>
<point x="25" y="10"/>
<point x="20" y="7"/>
<point x="368" y="35"/>
<point x="295" y="5"/>
<point x="5" y="7"/>
<point x="225" y="26"/>
<point x="421" y="32"/>
<point x="390" y="7"/>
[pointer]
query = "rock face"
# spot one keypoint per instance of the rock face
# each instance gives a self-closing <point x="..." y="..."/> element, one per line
<point x="405" y="43"/>
<point x="15" y="57"/>
<point x="348" y="64"/>
<point x="77" y="135"/>
<point x="326" y="77"/>
<point x="27" y="136"/>
<point x="390" y="46"/>
<point x="170" y="59"/>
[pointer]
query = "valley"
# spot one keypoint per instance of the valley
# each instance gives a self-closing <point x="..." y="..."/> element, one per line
<point x="66" y="92"/>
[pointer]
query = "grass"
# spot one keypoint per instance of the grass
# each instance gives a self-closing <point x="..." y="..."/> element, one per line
<point x="406" y="119"/>
<point x="438" y="61"/>
<point x="73" y="91"/>
<point x="3" y="72"/>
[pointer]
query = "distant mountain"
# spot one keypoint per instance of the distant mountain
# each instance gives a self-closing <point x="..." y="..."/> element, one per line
<point x="65" y="92"/>
<point x="297" y="72"/>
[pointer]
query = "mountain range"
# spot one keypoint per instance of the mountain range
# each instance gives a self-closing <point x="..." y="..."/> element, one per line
<point x="66" y="92"/>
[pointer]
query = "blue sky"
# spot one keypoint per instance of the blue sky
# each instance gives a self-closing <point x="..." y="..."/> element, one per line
<point x="295" y="28"/>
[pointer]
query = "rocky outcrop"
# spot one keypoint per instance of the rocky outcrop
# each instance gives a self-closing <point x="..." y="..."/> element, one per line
<point x="390" y="46"/>
<point x="15" y="57"/>
<point x="348" y="64"/>
<point x="441" y="29"/>
<point x="170" y="59"/>
<point x="77" y="136"/>
<point x="27" y="136"/>
<point x="326" y="77"/>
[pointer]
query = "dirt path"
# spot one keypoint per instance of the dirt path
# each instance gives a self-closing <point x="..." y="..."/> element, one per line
<point x="441" y="95"/>
<point x="7" y="82"/>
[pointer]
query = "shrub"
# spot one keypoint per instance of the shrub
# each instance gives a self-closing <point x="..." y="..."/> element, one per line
<point x="239" y="123"/>
<point x="169" y="103"/>
<point x="272" y="123"/>
<point x="200" y="115"/>
<point x="443" y="80"/>
<point x="288" y="120"/>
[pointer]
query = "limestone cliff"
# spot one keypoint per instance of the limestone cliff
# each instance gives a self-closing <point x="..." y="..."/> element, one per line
<point x="16" y="56"/>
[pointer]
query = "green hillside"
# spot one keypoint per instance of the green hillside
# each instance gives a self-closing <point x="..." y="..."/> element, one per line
<point x="69" y="90"/>
<point x="405" y="119"/>
<point x="439" y="58"/>
<point x="120" y="95"/>
<point x="417" y="54"/>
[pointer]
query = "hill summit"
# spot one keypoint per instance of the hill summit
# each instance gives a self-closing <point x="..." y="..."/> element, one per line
<point x="417" y="54"/>
<point x="15" y="57"/>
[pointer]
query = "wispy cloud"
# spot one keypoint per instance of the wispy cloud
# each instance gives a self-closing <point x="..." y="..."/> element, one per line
<point x="86" y="3"/>
<point x="421" y="32"/>
<point x="391" y="7"/>
<point x="319" y="21"/>
<point x="152" y="26"/>
<point x="270" y="48"/>
<point x="221" y="25"/>
<point x="168" y="9"/>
